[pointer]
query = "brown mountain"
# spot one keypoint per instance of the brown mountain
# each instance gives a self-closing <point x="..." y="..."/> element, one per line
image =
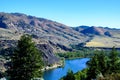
<point x="57" y="35"/>
<point x="80" y="28"/>
<point x="40" y="28"/>
<point x="94" y="30"/>
<point x="100" y="37"/>
<point x="50" y="36"/>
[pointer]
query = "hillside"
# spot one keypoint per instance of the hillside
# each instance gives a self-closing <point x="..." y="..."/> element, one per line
<point x="50" y="36"/>
<point x="93" y="30"/>
<point x="43" y="30"/>
<point x="102" y="37"/>
<point x="57" y="35"/>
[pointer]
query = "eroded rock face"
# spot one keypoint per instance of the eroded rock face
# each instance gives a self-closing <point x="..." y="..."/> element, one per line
<point x="48" y="55"/>
<point x="8" y="46"/>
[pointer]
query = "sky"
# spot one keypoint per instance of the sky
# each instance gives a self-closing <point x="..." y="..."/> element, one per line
<point x="73" y="13"/>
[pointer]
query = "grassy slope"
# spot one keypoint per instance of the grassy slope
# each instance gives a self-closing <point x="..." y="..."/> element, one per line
<point x="104" y="41"/>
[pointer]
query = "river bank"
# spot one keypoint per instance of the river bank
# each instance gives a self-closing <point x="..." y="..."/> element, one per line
<point x="75" y="65"/>
<point x="61" y="63"/>
<point x="51" y="67"/>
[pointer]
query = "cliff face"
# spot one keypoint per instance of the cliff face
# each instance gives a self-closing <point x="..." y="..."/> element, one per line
<point x="7" y="47"/>
<point x="48" y="54"/>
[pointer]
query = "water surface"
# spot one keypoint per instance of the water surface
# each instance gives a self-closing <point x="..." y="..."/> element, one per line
<point x="75" y="65"/>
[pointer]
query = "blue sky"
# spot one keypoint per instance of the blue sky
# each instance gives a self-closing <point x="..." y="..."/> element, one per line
<point x="69" y="12"/>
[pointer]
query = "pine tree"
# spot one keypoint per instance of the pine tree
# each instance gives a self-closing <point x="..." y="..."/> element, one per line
<point x="114" y="61"/>
<point x="26" y="62"/>
<point x="93" y="69"/>
<point x="102" y="62"/>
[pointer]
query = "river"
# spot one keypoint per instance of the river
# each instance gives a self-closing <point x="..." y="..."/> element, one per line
<point x="75" y="65"/>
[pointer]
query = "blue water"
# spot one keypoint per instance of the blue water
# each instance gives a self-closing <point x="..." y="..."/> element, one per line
<point x="75" y="65"/>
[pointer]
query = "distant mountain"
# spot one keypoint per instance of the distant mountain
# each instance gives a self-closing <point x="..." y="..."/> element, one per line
<point x="93" y="30"/>
<point x="53" y="37"/>
<point x="104" y="37"/>
<point x="56" y="35"/>
<point x="80" y="28"/>
<point x="41" y="29"/>
<point x="50" y="36"/>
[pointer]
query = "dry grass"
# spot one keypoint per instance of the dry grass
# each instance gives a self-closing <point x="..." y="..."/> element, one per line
<point x="95" y="44"/>
<point x="104" y="41"/>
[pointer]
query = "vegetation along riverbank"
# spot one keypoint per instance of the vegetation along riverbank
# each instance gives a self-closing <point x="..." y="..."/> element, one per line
<point x="100" y="67"/>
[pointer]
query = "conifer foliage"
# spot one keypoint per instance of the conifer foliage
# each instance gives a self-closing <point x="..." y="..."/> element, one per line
<point x="26" y="62"/>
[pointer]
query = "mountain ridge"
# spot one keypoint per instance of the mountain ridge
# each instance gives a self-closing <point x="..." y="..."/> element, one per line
<point x="57" y="35"/>
<point x="53" y="37"/>
<point x="42" y="28"/>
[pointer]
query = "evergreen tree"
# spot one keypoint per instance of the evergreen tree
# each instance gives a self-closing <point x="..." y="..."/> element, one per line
<point x="102" y="62"/>
<point x="26" y="62"/>
<point x="81" y="75"/>
<point x="114" y="61"/>
<point x="93" y="69"/>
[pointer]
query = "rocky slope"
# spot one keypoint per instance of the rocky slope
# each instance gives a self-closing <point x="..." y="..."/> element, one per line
<point x="50" y="36"/>
<point x="40" y="28"/>
<point x="58" y="36"/>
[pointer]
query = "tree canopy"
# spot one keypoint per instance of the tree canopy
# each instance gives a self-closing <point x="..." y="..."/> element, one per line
<point x="26" y="62"/>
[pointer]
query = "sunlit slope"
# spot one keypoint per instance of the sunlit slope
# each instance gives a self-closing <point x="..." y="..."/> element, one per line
<point x="104" y="41"/>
